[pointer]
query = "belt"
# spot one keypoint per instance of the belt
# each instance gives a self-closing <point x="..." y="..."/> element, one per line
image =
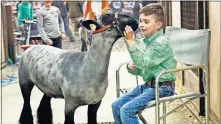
<point x="165" y="83"/>
<point x="57" y="38"/>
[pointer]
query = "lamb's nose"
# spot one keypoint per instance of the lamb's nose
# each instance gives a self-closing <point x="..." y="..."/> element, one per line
<point x="134" y="24"/>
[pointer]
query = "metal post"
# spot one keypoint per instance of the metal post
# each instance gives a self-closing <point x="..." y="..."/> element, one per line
<point x="164" y="112"/>
<point x="142" y="118"/>
<point x="207" y="97"/>
<point x="4" y="34"/>
<point x="10" y="29"/>
<point x="201" y="88"/>
<point x="118" y="79"/>
<point x="183" y="78"/>
<point x="28" y="37"/>
<point x="157" y="108"/>
<point x="117" y="83"/>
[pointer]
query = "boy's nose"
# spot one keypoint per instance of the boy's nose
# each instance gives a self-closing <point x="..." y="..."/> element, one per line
<point x="141" y="25"/>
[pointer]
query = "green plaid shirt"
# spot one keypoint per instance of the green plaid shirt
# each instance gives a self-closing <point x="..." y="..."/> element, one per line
<point x="151" y="56"/>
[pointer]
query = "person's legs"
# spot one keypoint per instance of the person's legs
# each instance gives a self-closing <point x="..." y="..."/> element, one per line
<point x="67" y="29"/>
<point x="57" y="42"/>
<point x="128" y="112"/>
<point x="21" y="28"/>
<point x="73" y="26"/>
<point x="116" y="105"/>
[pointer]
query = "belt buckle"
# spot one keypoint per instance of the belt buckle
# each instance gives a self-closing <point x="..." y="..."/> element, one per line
<point x="149" y="83"/>
<point x="168" y="83"/>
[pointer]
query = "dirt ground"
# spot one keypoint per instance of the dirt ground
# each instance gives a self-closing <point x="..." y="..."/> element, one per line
<point x="12" y="100"/>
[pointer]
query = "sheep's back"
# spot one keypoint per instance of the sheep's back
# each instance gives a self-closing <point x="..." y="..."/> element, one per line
<point x="39" y="64"/>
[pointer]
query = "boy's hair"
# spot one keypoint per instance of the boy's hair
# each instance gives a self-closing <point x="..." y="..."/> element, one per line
<point x="153" y="8"/>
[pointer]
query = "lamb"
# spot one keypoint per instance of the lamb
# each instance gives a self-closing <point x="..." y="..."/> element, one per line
<point x="80" y="78"/>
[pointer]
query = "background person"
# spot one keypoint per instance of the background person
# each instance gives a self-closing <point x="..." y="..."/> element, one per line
<point x="50" y="24"/>
<point x="64" y="15"/>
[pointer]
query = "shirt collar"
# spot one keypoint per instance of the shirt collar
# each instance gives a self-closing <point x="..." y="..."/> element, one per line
<point x="44" y="7"/>
<point x="148" y="40"/>
<point x="24" y="2"/>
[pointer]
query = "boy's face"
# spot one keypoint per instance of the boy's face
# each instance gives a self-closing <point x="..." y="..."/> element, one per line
<point x="48" y="2"/>
<point x="149" y="25"/>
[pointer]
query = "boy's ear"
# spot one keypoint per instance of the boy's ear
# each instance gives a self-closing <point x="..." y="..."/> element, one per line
<point x="159" y="25"/>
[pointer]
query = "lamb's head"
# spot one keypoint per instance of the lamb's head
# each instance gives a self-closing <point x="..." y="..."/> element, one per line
<point x="111" y="25"/>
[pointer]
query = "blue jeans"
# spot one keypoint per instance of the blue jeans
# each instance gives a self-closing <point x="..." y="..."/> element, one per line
<point x="67" y="28"/>
<point x="127" y="106"/>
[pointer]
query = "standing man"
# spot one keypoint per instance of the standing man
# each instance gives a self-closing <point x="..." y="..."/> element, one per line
<point x="50" y="24"/>
<point x="75" y="10"/>
<point x="116" y="6"/>
<point x="94" y="9"/>
<point x="64" y="15"/>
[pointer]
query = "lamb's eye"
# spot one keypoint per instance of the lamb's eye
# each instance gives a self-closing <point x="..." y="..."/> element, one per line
<point x="109" y="29"/>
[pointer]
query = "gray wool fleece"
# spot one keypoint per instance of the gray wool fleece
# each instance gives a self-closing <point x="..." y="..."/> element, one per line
<point x="49" y="23"/>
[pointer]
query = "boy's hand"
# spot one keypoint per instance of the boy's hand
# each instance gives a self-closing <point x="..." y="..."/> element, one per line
<point x="129" y="34"/>
<point x="49" y="42"/>
<point x="132" y="66"/>
<point x="63" y="37"/>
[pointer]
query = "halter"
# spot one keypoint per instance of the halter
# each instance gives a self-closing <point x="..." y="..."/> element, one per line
<point x="115" y="24"/>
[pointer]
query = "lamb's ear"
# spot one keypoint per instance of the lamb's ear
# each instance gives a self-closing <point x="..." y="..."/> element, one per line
<point x="89" y="24"/>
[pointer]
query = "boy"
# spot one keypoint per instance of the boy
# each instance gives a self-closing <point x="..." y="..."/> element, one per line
<point x="24" y="11"/>
<point x="150" y="56"/>
<point x="50" y="24"/>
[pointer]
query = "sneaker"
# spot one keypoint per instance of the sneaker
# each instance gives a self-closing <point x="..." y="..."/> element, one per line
<point x="72" y="40"/>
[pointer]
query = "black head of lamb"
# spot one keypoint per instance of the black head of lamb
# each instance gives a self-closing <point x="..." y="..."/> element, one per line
<point x="114" y="26"/>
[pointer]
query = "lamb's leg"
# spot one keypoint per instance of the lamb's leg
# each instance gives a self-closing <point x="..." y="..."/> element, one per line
<point x="70" y="107"/>
<point x="26" y="114"/>
<point x="90" y="38"/>
<point x="44" y="111"/>
<point x="92" y="113"/>
<point x="83" y="45"/>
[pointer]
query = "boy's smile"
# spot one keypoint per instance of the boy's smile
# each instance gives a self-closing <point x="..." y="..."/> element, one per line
<point x="149" y="25"/>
